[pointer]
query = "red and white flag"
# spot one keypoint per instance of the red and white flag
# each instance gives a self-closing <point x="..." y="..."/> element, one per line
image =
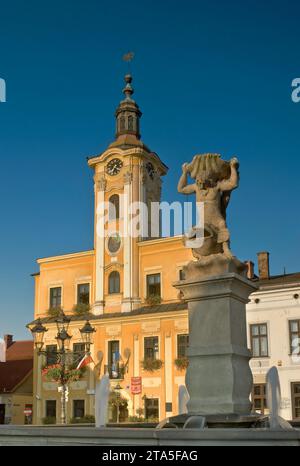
<point x="85" y="361"/>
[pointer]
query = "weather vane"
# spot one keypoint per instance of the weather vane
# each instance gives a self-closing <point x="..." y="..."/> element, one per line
<point x="128" y="57"/>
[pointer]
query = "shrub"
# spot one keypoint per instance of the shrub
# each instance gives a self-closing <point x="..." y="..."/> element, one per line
<point x="155" y="420"/>
<point x="81" y="308"/>
<point x="87" y="419"/>
<point x="54" y="311"/>
<point x="49" y="420"/>
<point x="136" y="419"/>
<point x="181" y="363"/>
<point x="54" y="374"/>
<point x="153" y="300"/>
<point x="116" y="399"/>
<point x="140" y="412"/>
<point x="151" y="365"/>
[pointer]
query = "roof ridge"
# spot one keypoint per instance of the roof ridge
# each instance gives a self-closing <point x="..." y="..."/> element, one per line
<point x="21" y="341"/>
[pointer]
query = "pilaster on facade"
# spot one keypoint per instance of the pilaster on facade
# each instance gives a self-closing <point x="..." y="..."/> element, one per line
<point x="98" y="307"/>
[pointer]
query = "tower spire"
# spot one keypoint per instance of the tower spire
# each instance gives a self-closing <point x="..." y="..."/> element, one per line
<point x="128" y="113"/>
<point x="128" y="90"/>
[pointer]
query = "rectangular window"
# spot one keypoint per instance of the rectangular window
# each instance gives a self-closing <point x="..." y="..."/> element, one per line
<point x="153" y="285"/>
<point x="51" y="355"/>
<point x="151" y="348"/>
<point x="78" y="352"/>
<point x="55" y="297"/>
<point x="152" y="408"/>
<point x="182" y="345"/>
<point x="259" y="340"/>
<point x="51" y="408"/>
<point x="259" y="399"/>
<point x="295" y="386"/>
<point x="78" y="409"/>
<point x="294" y="326"/>
<point x="83" y="293"/>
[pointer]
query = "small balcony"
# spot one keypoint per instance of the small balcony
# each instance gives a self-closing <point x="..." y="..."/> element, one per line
<point x="115" y="371"/>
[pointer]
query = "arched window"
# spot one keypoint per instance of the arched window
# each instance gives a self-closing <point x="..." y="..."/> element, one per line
<point x="114" y="207"/>
<point x="130" y="123"/>
<point x="114" y="283"/>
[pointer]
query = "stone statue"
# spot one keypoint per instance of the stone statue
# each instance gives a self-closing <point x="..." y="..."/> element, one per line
<point x="215" y="179"/>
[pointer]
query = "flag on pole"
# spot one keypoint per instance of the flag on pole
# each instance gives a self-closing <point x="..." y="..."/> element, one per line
<point x="85" y="361"/>
<point x="117" y="356"/>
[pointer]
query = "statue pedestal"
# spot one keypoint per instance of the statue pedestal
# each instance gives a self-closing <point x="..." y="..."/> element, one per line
<point x="218" y="379"/>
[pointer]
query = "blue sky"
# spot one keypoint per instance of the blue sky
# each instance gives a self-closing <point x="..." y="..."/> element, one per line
<point x="208" y="75"/>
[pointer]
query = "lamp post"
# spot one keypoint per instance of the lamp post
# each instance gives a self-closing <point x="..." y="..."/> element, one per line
<point x="145" y="406"/>
<point x="118" y="389"/>
<point x="63" y="341"/>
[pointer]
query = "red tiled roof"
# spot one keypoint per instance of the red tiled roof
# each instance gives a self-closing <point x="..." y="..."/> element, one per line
<point x="19" y="364"/>
<point x="20" y="350"/>
<point x="12" y="373"/>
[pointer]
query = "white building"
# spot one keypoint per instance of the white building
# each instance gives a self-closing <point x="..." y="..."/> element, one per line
<point x="273" y="317"/>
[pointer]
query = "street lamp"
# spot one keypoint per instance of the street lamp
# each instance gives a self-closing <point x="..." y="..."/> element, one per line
<point x="63" y="341"/>
<point x="118" y="389"/>
<point x="87" y="332"/>
<point x="38" y="332"/>
<point x="144" y="398"/>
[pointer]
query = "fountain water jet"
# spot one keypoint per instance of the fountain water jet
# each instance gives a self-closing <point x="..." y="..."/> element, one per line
<point x="101" y="401"/>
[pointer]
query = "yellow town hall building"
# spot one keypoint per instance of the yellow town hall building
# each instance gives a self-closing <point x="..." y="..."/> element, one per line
<point x="126" y="281"/>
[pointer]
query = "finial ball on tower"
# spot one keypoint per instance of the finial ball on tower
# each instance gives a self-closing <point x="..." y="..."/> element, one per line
<point x="128" y="78"/>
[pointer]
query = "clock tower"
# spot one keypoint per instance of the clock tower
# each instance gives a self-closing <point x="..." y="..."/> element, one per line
<point x="127" y="181"/>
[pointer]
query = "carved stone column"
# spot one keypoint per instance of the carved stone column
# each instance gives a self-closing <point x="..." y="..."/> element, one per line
<point x="218" y="379"/>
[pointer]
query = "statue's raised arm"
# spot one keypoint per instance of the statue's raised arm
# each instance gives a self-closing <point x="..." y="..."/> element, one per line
<point x="233" y="182"/>
<point x="183" y="187"/>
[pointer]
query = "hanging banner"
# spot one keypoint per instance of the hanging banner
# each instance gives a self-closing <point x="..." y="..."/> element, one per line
<point x="136" y="385"/>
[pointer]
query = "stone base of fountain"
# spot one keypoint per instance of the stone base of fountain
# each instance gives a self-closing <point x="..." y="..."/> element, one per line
<point x="222" y="421"/>
<point x="152" y="438"/>
<point x="214" y="421"/>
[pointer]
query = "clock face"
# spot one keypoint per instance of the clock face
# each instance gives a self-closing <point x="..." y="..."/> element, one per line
<point x="150" y="170"/>
<point x="114" y="167"/>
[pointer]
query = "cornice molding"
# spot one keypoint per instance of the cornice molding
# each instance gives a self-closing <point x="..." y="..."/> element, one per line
<point x="131" y="152"/>
<point x="74" y="255"/>
<point x="114" y="265"/>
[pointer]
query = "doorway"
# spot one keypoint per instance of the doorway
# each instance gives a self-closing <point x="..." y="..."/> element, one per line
<point x="2" y="414"/>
